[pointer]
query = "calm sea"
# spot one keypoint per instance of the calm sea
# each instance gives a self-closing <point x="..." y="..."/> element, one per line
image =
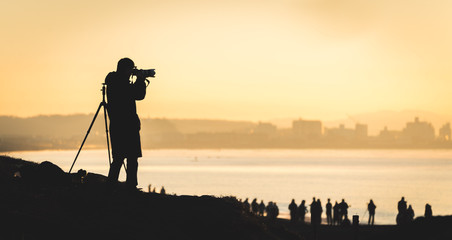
<point x="421" y="176"/>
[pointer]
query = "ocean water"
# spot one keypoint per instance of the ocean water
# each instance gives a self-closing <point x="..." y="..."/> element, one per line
<point x="421" y="176"/>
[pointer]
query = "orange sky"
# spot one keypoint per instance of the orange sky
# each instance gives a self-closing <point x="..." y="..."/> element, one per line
<point x="236" y="59"/>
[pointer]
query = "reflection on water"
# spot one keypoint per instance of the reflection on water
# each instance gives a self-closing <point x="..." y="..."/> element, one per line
<point x="422" y="176"/>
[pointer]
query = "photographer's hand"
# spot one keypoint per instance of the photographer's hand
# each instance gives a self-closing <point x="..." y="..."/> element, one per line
<point x="140" y="76"/>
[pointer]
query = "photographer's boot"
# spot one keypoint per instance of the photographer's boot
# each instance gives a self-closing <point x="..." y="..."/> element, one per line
<point x="132" y="170"/>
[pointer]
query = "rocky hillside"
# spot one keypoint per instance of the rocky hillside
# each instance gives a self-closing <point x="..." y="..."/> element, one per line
<point x="40" y="201"/>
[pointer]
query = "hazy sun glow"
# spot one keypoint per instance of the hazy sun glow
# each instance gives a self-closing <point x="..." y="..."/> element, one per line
<point x="247" y="59"/>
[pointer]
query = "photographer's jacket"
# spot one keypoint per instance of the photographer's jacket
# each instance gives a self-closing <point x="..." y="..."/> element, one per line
<point x="124" y="122"/>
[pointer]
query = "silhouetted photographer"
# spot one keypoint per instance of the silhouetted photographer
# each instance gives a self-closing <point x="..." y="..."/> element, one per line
<point x="124" y="121"/>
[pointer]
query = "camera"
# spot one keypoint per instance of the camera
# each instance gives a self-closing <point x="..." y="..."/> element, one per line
<point x="144" y="72"/>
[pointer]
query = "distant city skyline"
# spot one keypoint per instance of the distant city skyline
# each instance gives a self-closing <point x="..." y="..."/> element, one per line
<point x="65" y="132"/>
<point x="376" y="121"/>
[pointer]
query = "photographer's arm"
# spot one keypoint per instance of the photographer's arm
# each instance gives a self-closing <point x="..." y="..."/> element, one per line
<point x="139" y="88"/>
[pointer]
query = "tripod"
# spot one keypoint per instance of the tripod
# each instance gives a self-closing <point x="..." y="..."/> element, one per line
<point x="104" y="105"/>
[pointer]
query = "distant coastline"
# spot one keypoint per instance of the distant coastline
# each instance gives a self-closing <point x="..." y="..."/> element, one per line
<point x="25" y="148"/>
<point x="59" y="132"/>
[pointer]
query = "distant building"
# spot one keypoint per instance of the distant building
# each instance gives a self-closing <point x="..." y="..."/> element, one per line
<point x="418" y="132"/>
<point x="340" y="133"/>
<point x="389" y="135"/>
<point x="265" y="129"/>
<point x="445" y="132"/>
<point x="307" y="129"/>
<point x="361" y="131"/>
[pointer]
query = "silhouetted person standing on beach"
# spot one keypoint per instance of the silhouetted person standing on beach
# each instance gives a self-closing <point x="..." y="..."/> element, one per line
<point x="124" y="122"/>
<point x="293" y="211"/>
<point x="313" y="210"/>
<point x="276" y="210"/>
<point x="254" y="206"/>
<point x="261" y="208"/>
<point x="302" y="210"/>
<point x="272" y="210"/>
<point x="371" y="208"/>
<point x="246" y="205"/>
<point x="428" y="211"/>
<point x="319" y="212"/>
<point x="410" y="214"/>
<point x="336" y="214"/>
<point x="402" y="215"/>
<point x="401" y="205"/>
<point x="329" y="218"/>
<point x="343" y="206"/>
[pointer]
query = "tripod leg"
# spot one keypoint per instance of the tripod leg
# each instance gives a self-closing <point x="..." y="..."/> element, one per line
<point x="86" y="136"/>
<point x="106" y="131"/>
